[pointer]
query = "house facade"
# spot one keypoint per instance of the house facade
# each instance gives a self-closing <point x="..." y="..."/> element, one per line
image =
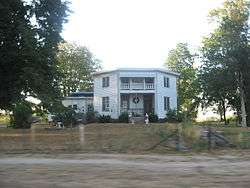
<point x="136" y="91"/>
<point x="81" y="102"/>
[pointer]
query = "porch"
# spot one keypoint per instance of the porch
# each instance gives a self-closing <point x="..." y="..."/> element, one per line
<point x="138" y="104"/>
<point x="137" y="83"/>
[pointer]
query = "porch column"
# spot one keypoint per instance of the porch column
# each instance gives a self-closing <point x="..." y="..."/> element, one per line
<point x="144" y="84"/>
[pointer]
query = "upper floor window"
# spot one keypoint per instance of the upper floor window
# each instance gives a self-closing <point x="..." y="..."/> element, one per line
<point x="105" y="82"/>
<point x="166" y="103"/>
<point x="105" y="104"/>
<point x="166" y="81"/>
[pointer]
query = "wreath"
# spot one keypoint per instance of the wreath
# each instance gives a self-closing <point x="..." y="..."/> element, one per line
<point x="136" y="100"/>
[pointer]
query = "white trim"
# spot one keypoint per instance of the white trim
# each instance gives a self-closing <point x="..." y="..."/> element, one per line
<point x="137" y="70"/>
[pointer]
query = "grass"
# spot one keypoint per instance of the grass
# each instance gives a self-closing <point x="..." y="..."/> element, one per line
<point x="116" y="138"/>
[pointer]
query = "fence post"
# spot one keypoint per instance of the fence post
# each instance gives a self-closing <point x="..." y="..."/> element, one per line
<point x="178" y="138"/>
<point x="209" y="134"/>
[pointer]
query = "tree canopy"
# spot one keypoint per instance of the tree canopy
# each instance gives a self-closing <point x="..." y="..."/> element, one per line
<point x="29" y="35"/>
<point x="181" y="60"/>
<point x="75" y="64"/>
<point x="225" y="56"/>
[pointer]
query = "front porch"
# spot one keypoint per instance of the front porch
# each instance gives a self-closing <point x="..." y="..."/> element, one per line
<point x="137" y="103"/>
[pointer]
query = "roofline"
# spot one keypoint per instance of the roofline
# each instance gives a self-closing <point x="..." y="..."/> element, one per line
<point x="70" y="98"/>
<point x="137" y="70"/>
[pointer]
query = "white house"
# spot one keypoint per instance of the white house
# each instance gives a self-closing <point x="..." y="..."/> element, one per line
<point x="80" y="101"/>
<point x="136" y="90"/>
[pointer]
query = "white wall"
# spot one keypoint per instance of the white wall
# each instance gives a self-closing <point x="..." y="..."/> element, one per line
<point x="162" y="92"/>
<point x="81" y="102"/>
<point x="111" y="92"/>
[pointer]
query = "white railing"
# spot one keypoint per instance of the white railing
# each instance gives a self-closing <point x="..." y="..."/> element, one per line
<point x="149" y="86"/>
<point x="125" y="86"/>
<point x="137" y="86"/>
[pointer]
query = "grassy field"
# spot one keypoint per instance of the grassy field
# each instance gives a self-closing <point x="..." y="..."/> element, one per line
<point x="118" y="138"/>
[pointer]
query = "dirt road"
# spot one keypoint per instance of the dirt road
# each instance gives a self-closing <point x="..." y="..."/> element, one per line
<point x="111" y="170"/>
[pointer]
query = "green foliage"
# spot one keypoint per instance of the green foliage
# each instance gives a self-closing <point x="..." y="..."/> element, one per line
<point x="91" y="117"/>
<point x="225" y="55"/>
<point x="104" y="119"/>
<point x="75" y="64"/>
<point x="153" y="118"/>
<point x="181" y="60"/>
<point x="67" y="116"/>
<point x="123" y="118"/>
<point x="30" y="32"/>
<point x="21" y="116"/>
<point x="172" y="116"/>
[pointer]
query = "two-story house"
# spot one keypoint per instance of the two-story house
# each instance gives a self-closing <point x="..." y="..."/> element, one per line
<point x="137" y="90"/>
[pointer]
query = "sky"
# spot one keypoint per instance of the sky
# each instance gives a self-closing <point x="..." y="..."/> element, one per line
<point x="137" y="33"/>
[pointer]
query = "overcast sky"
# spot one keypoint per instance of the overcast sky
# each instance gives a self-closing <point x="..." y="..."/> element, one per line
<point x="137" y="33"/>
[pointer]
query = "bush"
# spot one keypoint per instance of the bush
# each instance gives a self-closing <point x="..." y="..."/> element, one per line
<point x="123" y="118"/>
<point x="172" y="116"/>
<point x="21" y="116"/>
<point x="91" y="117"/>
<point x="67" y="116"/>
<point x="153" y="118"/>
<point x="104" y="119"/>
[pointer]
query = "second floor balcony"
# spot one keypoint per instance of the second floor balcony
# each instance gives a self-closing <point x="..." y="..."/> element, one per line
<point x="137" y="83"/>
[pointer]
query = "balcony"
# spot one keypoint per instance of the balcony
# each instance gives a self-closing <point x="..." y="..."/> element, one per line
<point x="137" y="84"/>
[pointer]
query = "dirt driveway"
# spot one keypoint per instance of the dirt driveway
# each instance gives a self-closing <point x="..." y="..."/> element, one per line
<point x="111" y="170"/>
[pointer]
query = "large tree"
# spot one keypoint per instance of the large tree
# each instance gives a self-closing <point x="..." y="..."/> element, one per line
<point x="227" y="48"/>
<point x="29" y="35"/>
<point x="76" y="64"/>
<point x="181" y="60"/>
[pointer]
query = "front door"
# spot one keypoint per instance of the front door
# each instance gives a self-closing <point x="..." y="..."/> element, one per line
<point x="148" y="103"/>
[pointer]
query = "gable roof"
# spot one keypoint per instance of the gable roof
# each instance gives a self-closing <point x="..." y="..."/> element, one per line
<point x="137" y="70"/>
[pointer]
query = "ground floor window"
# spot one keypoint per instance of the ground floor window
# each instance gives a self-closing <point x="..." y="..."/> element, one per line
<point x="166" y="103"/>
<point x="105" y="104"/>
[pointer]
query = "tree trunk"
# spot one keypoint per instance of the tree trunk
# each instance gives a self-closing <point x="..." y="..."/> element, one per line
<point x="242" y="101"/>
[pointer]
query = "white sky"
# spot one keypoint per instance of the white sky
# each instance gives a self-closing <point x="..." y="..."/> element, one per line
<point x="137" y="33"/>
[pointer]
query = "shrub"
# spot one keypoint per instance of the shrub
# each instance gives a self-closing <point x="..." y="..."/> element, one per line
<point x="172" y="116"/>
<point x="104" y="119"/>
<point x="153" y="118"/>
<point x="91" y="117"/>
<point x="67" y="116"/>
<point x="123" y="118"/>
<point x="21" y="116"/>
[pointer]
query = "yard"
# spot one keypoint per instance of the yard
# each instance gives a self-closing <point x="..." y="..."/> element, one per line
<point x="120" y="138"/>
<point x="122" y="155"/>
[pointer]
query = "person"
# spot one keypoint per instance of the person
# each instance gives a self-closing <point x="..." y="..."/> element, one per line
<point x="146" y="119"/>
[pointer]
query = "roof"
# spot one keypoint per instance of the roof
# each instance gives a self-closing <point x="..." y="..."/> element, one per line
<point x="81" y="94"/>
<point x="137" y="70"/>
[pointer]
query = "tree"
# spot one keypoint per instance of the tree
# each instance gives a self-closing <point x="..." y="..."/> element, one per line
<point x="29" y="34"/>
<point x="227" y="48"/>
<point x="181" y="60"/>
<point x="76" y="64"/>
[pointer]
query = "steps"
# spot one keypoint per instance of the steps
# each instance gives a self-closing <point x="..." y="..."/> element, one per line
<point x="139" y="120"/>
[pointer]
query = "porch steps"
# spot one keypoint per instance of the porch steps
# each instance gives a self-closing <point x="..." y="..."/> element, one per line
<point x="139" y="120"/>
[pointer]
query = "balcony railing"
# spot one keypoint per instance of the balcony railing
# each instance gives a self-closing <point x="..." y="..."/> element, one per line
<point x="137" y="86"/>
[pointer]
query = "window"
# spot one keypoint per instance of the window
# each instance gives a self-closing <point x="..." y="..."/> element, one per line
<point x="105" y="82"/>
<point x="166" y="81"/>
<point x="166" y="103"/>
<point x="105" y="104"/>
